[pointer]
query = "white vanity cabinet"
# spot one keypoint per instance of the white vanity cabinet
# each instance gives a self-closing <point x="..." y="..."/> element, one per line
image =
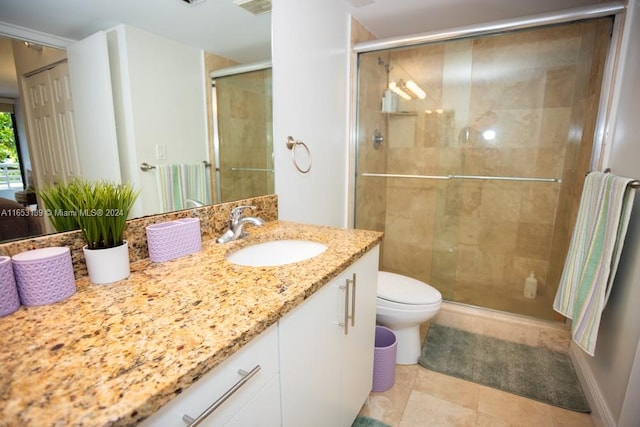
<point x="326" y="365"/>
<point x="255" y="402"/>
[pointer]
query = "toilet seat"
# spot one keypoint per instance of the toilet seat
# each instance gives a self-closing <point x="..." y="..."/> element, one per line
<point x="398" y="291"/>
<point x="383" y="303"/>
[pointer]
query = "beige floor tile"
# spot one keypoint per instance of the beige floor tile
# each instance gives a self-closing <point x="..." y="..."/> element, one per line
<point x="388" y="406"/>
<point x="448" y="388"/>
<point x="406" y="375"/>
<point x="425" y="410"/>
<point x="566" y="418"/>
<point x="424" y="398"/>
<point x="485" y="420"/>
<point x="512" y="409"/>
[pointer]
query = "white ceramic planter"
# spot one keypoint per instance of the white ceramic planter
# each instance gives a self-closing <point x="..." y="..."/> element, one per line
<point x="107" y="265"/>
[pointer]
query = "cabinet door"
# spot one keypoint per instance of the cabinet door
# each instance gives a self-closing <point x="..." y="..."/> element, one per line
<point x="263" y="351"/>
<point x="310" y="343"/>
<point x="358" y="343"/>
<point x="326" y="368"/>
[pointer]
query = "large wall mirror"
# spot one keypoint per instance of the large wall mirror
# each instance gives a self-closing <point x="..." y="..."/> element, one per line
<point x="190" y="125"/>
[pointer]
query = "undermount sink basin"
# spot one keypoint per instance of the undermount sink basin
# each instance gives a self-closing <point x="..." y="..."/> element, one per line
<point x="276" y="252"/>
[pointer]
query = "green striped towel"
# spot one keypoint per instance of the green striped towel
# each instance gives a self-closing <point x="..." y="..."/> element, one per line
<point x="178" y="183"/>
<point x="594" y="252"/>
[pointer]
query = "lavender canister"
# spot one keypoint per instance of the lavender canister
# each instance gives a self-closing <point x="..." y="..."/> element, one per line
<point x="44" y="276"/>
<point x="9" y="298"/>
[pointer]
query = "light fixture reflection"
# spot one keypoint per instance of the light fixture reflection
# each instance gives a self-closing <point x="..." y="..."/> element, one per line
<point x="33" y="46"/>
<point x="415" y="89"/>
<point x="489" y="135"/>
<point x="394" y="87"/>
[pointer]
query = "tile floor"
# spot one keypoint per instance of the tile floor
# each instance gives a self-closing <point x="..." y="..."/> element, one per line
<point x="421" y="397"/>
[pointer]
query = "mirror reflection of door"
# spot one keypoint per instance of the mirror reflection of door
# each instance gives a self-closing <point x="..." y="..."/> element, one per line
<point x="243" y="129"/>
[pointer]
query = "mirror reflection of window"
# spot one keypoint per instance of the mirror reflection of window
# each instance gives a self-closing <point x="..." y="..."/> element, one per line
<point x="243" y="129"/>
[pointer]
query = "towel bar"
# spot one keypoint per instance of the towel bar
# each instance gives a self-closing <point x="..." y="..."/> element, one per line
<point x="146" y="167"/>
<point x="633" y="184"/>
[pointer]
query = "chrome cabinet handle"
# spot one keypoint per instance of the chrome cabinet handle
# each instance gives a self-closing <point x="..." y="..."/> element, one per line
<point x="246" y="376"/>
<point x="353" y="299"/>
<point x="346" y="307"/>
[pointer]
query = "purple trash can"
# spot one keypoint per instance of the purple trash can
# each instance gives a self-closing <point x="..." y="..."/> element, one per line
<point x="384" y="359"/>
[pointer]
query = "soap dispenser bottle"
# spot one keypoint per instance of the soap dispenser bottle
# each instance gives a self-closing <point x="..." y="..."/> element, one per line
<point x="389" y="102"/>
<point x="530" y="286"/>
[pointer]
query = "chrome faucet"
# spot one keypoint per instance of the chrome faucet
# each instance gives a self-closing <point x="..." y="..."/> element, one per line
<point x="237" y="223"/>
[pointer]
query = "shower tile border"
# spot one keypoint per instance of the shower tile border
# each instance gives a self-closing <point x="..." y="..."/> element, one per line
<point x="510" y="327"/>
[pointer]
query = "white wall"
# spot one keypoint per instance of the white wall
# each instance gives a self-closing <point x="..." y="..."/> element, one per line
<point x="613" y="371"/>
<point x="310" y="86"/>
<point x="160" y="100"/>
<point x="95" y="124"/>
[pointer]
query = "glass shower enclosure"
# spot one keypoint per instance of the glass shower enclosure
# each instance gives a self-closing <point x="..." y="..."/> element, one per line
<point x="243" y="134"/>
<point x="471" y="154"/>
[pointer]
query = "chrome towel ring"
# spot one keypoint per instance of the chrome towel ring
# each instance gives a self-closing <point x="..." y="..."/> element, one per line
<point x="291" y="145"/>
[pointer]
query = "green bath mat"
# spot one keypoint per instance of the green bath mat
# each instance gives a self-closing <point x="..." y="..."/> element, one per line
<point x="367" y="422"/>
<point x="532" y="372"/>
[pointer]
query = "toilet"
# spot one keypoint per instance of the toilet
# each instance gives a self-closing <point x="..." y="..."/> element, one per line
<point x="402" y="305"/>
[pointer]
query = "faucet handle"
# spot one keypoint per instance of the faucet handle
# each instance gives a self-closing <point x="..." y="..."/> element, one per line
<point x="236" y="213"/>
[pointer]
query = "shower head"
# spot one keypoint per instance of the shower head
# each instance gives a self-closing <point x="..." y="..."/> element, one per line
<point x="386" y="65"/>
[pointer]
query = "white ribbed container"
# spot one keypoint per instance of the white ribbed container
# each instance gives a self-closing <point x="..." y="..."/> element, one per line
<point x="173" y="239"/>
<point x="44" y="276"/>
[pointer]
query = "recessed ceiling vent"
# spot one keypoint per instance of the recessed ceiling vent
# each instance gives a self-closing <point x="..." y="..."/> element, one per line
<point x="257" y="7"/>
<point x="193" y="2"/>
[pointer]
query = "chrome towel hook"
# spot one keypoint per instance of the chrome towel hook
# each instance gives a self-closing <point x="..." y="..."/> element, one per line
<point x="291" y="145"/>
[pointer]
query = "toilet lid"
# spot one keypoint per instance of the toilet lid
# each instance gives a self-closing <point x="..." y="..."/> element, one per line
<point x="405" y="290"/>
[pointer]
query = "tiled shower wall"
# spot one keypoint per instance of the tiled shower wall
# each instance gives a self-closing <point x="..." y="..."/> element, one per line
<point x="477" y="240"/>
<point x="246" y="129"/>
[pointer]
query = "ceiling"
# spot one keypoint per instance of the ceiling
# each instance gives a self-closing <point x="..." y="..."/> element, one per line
<point x="223" y="28"/>
<point x="216" y="26"/>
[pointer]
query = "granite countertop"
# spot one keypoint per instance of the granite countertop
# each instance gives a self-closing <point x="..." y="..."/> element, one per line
<point x="113" y="354"/>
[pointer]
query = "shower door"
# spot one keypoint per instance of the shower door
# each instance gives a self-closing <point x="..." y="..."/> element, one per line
<point x="474" y="173"/>
<point x="243" y="135"/>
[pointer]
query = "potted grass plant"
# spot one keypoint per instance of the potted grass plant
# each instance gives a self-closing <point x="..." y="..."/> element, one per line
<point x="59" y="200"/>
<point x="100" y="210"/>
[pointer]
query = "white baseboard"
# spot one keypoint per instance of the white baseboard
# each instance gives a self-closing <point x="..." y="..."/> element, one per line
<point x="600" y="413"/>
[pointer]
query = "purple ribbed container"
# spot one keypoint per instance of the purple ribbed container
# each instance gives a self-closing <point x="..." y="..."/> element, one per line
<point x="173" y="239"/>
<point x="44" y="276"/>
<point x="384" y="359"/>
<point x="9" y="298"/>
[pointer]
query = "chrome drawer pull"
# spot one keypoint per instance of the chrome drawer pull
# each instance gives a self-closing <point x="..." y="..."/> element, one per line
<point x="246" y="376"/>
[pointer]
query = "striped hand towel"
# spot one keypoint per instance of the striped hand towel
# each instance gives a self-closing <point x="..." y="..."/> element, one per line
<point x="594" y="252"/>
<point x="169" y="183"/>
<point x="180" y="183"/>
<point x="196" y="185"/>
